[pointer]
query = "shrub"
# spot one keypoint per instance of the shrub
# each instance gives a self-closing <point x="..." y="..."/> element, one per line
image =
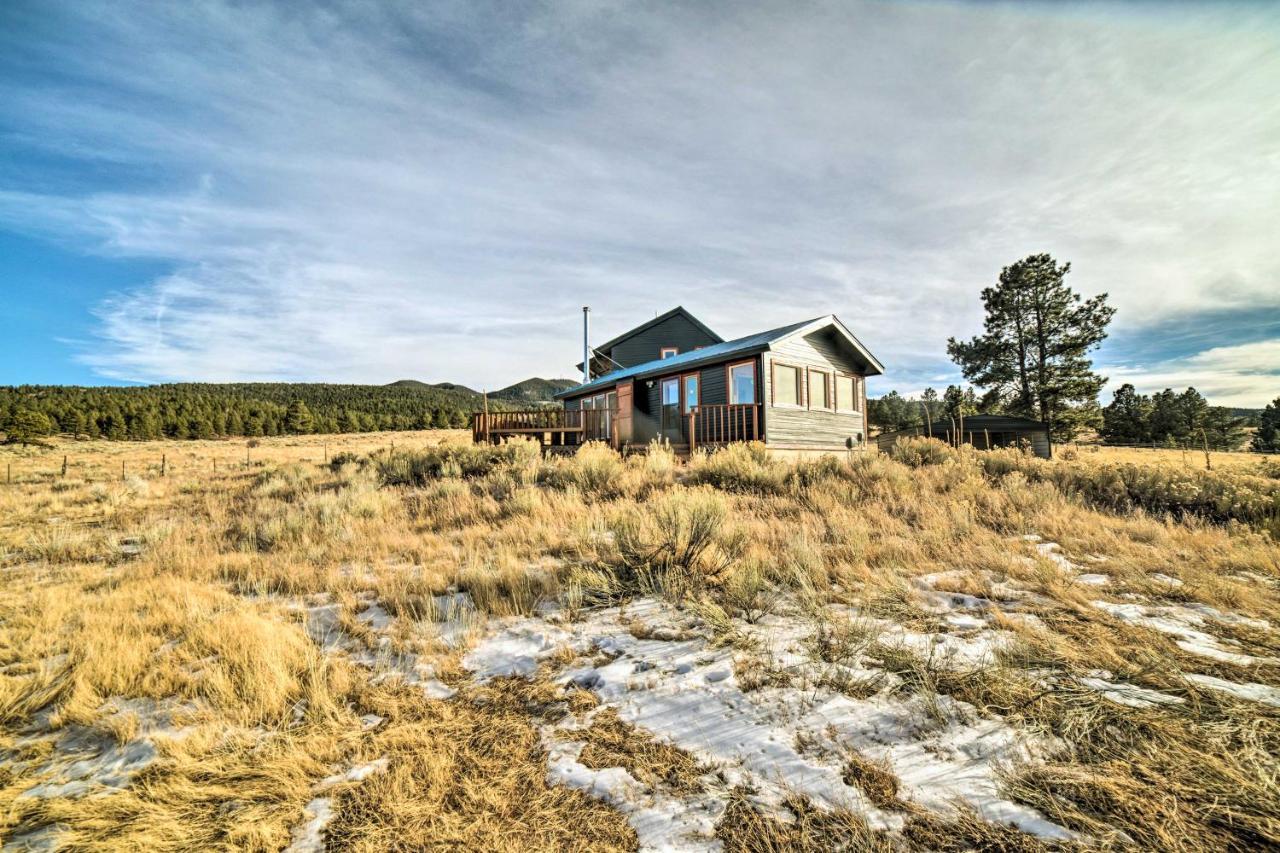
<point x="418" y="467"/>
<point x="743" y="467"/>
<point x="1218" y="496"/>
<point x="595" y="469"/>
<point x="677" y="543"/>
<point x="918" y="452"/>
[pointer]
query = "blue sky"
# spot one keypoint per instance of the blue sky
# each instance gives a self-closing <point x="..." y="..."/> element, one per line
<point x="363" y="192"/>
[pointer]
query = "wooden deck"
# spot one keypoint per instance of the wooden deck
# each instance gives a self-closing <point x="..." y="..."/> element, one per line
<point x="562" y="430"/>
<point x="549" y="427"/>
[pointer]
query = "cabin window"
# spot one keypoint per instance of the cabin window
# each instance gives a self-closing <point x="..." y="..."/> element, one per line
<point x="670" y="392"/>
<point x="819" y="389"/>
<point x="846" y="393"/>
<point x="786" y="385"/>
<point x="742" y="382"/>
<point x="668" y="352"/>
<point x="690" y="382"/>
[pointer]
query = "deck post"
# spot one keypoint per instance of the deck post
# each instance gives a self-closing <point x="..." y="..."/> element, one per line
<point x="693" y="430"/>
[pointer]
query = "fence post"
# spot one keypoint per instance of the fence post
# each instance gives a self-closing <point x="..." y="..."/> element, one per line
<point x="122" y="470"/>
<point x="8" y="474"/>
<point x="164" y="465"/>
<point x="64" y="467"/>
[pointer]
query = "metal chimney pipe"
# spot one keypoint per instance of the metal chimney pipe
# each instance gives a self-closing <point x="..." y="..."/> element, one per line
<point x="586" y="347"/>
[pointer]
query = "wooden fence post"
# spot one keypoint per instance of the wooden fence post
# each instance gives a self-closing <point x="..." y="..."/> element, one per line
<point x="122" y="470"/>
<point x="8" y="474"/>
<point x="64" y="467"/>
<point x="164" y="465"/>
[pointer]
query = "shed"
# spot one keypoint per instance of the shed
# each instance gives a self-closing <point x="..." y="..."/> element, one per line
<point x="982" y="431"/>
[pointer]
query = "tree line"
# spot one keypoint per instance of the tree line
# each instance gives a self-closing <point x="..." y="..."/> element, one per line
<point x="198" y="410"/>
<point x="1171" y="419"/>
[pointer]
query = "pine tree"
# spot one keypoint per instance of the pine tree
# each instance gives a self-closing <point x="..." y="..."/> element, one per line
<point x="1267" y="438"/>
<point x="1035" y="344"/>
<point x="26" y="426"/>
<point x="959" y="402"/>
<point x="1192" y="409"/>
<point x="1222" y="429"/>
<point x="1126" y="419"/>
<point x="298" y="418"/>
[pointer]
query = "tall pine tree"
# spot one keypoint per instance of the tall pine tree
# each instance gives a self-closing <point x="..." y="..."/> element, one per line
<point x="1033" y="352"/>
<point x="1267" y="438"/>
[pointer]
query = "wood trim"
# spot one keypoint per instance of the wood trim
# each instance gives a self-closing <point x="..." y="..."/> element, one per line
<point x="662" y="352"/>
<point x="827" y="401"/>
<point x="728" y="382"/>
<point x="801" y="378"/>
<point x="857" y="395"/>
<point x="684" y="399"/>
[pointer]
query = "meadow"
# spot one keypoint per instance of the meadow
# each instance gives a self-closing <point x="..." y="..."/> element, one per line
<point x="398" y="641"/>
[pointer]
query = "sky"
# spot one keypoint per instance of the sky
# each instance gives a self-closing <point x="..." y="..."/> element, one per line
<point x="364" y="192"/>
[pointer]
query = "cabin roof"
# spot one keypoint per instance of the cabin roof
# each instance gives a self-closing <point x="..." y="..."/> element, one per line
<point x="724" y="350"/>
<point x="648" y="324"/>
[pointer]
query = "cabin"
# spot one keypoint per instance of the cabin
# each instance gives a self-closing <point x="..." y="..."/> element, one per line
<point x="984" y="432"/>
<point x="799" y="388"/>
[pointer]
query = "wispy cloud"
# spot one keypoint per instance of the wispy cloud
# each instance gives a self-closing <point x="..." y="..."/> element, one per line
<point x="367" y="192"/>
<point x="1228" y="375"/>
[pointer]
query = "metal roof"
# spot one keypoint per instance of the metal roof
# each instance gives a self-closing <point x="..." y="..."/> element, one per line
<point x="750" y="344"/>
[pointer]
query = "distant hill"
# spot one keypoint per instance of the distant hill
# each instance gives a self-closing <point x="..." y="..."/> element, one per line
<point x="533" y="390"/>
<point x="439" y="386"/>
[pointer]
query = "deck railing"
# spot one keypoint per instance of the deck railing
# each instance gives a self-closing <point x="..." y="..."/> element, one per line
<point x="723" y="423"/>
<point x="559" y="426"/>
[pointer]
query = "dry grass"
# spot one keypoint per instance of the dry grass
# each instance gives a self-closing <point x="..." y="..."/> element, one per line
<point x="190" y="589"/>
<point x="612" y="743"/>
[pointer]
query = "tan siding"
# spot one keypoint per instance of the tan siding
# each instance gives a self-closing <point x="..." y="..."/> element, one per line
<point x="805" y="427"/>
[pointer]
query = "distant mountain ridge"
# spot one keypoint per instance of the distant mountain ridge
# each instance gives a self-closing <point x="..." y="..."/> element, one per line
<point x="535" y="390"/>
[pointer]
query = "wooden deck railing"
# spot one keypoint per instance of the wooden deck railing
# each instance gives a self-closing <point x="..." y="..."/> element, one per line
<point x="573" y="426"/>
<point x="723" y="423"/>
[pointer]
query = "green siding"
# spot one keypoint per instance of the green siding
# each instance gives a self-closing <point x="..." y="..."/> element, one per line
<point x="675" y="331"/>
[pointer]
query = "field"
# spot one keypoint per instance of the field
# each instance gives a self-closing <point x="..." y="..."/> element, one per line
<point x="398" y="641"/>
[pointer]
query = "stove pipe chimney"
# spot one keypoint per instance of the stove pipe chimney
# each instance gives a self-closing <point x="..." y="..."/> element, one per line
<point x="586" y="347"/>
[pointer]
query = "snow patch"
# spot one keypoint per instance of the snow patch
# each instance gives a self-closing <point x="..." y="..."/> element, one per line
<point x="687" y="693"/>
<point x="662" y="821"/>
<point x="1183" y="623"/>
<point x="1123" y="693"/>
<point x="1252" y="691"/>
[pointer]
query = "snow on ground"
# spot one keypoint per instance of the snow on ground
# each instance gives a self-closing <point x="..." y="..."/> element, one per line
<point x="1123" y="693"/>
<point x="687" y="692"/>
<point x="85" y="760"/>
<point x="662" y="821"/>
<point x="1184" y="623"/>
<point x="1252" y="691"/>
<point x="308" y="836"/>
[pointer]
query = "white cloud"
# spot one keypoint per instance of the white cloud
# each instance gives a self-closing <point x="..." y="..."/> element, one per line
<point x="1246" y="375"/>
<point x="371" y="192"/>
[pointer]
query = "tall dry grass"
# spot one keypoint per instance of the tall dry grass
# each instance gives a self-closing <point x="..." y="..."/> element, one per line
<point x="190" y="588"/>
